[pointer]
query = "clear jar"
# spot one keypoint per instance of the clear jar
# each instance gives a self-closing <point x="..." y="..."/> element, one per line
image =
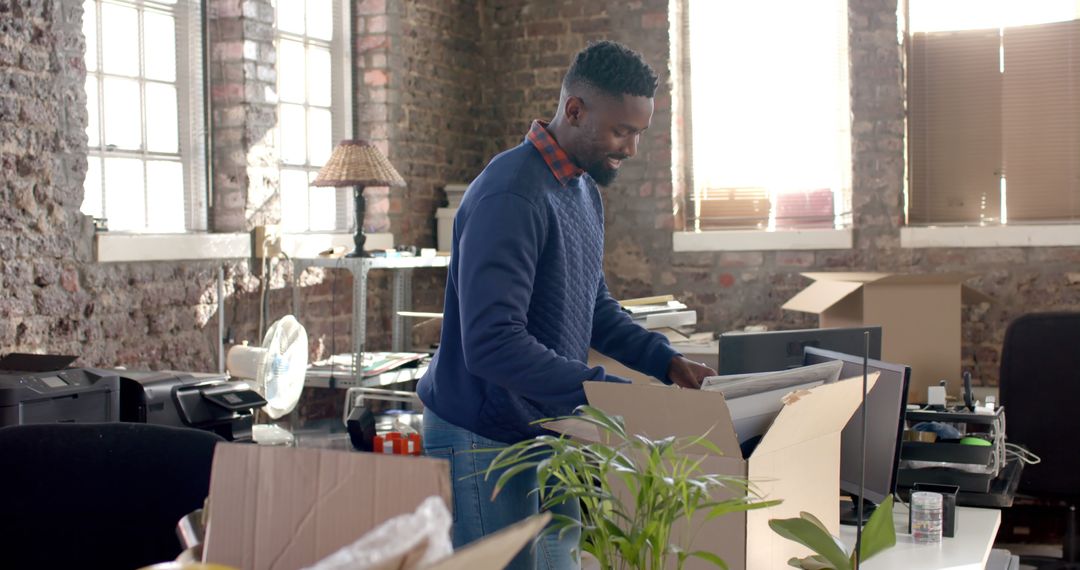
<point x="926" y="517"/>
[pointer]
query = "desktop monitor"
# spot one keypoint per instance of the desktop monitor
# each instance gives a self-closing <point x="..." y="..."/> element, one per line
<point x="885" y="405"/>
<point x="742" y="352"/>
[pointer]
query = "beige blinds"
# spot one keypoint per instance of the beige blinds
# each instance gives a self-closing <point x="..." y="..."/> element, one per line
<point x="1041" y="121"/>
<point x="994" y="125"/>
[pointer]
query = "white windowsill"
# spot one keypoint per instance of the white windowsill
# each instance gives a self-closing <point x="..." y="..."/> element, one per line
<point x="117" y="247"/>
<point x="761" y="240"/>
<point x="310" y="244"/>
<point x="133" y="247"/>
<point x="991" y="236"/>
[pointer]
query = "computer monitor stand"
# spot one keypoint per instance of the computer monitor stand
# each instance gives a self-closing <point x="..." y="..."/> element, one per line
<point x="849" y="513"/>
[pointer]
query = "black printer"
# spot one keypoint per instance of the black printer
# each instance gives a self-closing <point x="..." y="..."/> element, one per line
<point x="40" y="389"/>
<point x="189" y="399"/>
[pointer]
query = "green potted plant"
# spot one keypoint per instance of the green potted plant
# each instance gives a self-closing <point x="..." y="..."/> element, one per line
<point x="634" y="491"/>
<point x="831" y="554"/>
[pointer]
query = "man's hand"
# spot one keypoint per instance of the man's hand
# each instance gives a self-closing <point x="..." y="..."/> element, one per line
<point x="687" y="373"/>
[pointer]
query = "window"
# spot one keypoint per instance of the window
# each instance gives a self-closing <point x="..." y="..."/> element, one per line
<point x="313" y="111"/>
<point x="769" y="145"/>
<point x="993" y="111"/>
<point x="146" y="168"/>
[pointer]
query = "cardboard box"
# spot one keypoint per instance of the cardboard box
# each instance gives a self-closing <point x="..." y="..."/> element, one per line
<point x="919" y="316"/>
<point x="798" y="459"/>
<point x="286" y="508"/>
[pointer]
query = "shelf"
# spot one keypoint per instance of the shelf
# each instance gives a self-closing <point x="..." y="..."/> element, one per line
<point x="375" y="262"/>
<point x="320" y="378"/>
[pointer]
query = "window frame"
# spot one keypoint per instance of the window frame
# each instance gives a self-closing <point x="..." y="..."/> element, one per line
<point x="687" y="236"/>
<point x="1050" y="233"/>
<point x="341" y="113"/>
<point x="192" y="111"/>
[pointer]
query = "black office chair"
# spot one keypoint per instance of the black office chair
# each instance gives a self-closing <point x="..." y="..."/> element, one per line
<point x="98" y="495"/>
<point x="1040" y="387"/>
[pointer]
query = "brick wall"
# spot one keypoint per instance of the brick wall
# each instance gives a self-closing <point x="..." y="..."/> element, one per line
<point x="243" y="106"/>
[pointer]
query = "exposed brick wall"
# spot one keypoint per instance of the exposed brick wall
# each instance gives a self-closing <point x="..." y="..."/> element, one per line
<point x="243" y="104"/>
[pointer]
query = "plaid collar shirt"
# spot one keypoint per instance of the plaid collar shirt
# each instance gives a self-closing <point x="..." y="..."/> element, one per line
<point x="556" y="158"/>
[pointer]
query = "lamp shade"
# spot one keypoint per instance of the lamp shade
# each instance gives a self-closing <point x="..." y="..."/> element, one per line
<point x="358" y="163"/>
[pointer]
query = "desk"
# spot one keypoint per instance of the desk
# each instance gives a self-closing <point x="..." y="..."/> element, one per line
<point x="968" y="550"/>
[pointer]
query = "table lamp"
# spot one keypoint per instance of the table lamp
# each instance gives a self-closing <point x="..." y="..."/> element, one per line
<point x="358" y="163"/>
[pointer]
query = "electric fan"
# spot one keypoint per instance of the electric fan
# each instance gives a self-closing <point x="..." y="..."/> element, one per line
<point x="276" y="369"/>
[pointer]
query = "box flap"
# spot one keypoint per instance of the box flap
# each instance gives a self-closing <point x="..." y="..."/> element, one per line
<point x="808" y="414"/>
<point x="924" y="278"/>
<point x="969" y="296"/>
<point x="848" y="276"/>
<point x="821" y="295"/>
<point x="661" y="411"/>
<point x="496" y="551"/>
<point x="286" y="508"/>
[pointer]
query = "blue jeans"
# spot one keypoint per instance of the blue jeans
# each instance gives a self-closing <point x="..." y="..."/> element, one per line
<point x="477" y="515"/>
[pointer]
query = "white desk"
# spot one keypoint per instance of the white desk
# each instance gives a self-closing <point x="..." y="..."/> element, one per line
<point x="968" y="550"/>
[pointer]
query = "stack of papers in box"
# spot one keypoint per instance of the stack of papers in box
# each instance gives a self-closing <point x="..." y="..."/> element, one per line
<point x="755" y="399"/>
<point x="660" y="312"/>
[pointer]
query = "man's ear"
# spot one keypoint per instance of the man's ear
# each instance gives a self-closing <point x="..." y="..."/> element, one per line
<point x="574" y="109"/>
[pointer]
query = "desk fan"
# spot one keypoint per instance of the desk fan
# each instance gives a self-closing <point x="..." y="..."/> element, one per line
<point x="276" y="369"/>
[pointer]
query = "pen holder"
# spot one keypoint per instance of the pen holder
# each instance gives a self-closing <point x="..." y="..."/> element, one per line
<point x="948" y="505"/>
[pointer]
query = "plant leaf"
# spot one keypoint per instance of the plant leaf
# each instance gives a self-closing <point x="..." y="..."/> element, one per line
<point x="880" y="532"/>
<point x="809" y="535"/>
<point x="710" y="557"/>
<point x="815" y="562"/>
<point x="817" y="522"/>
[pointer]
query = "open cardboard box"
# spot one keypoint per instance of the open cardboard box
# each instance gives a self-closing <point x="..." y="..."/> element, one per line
<point x="285" y="508"/>
<point x="919" y="317"/>
<point x="798" y="459"/>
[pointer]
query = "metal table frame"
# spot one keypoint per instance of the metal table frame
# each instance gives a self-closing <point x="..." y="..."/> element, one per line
<point x="401" y="289"/>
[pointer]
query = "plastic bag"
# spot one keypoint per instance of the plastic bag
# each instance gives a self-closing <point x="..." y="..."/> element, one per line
<point x="414" y="540"/>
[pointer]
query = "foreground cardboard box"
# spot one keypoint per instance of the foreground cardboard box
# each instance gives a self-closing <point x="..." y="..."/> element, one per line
<point x="285" y="508"/>
<point x="798" y="460"/>
<point x="919" y="316"/>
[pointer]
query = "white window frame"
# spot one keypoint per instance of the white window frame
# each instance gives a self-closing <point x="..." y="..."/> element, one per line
<point x="696" y="240"/>
<point x="340" y="110"/>
<point x="191" y="109"/>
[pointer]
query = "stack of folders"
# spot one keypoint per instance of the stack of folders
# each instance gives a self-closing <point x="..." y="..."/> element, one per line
<point x="754" y="400"/>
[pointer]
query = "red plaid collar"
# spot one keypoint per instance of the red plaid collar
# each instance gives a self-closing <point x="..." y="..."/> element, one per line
<point x="556" y="158"/>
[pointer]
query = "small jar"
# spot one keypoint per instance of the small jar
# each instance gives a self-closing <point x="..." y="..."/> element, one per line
<point x="926" y="517"/>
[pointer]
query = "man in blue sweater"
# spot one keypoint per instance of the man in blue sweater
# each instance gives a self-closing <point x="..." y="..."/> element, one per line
<point x="526" y="297"/>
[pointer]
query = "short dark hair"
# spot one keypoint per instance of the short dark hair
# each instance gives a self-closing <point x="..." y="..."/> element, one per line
<point x="612" y="68"/>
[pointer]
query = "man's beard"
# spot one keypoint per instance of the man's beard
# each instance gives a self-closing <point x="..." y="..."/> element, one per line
<point x="600" y="172"/>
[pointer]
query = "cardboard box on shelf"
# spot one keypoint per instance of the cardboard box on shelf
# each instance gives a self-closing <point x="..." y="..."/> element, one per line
<point x="919" y="316"/>
<point x="797" y="460"/>
<point x="286" y="508"/>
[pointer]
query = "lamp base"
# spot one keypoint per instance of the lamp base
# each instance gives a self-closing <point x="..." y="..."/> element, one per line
<point x="359" y="238"/>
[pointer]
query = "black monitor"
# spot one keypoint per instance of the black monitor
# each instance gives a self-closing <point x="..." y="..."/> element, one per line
<point x="742" y="352"/>
<point x="885" y="405"/>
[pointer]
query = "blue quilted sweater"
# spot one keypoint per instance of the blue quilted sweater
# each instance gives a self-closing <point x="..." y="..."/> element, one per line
<point x="525" y="299"/>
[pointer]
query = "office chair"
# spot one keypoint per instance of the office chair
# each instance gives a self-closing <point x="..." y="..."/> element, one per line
<point x="1040" y="387"/>
<point x="99" y="495"/>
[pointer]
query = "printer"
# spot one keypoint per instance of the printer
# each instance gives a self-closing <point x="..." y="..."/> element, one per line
<point x="40" y="389"/>
<point x="189" y="399"/>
